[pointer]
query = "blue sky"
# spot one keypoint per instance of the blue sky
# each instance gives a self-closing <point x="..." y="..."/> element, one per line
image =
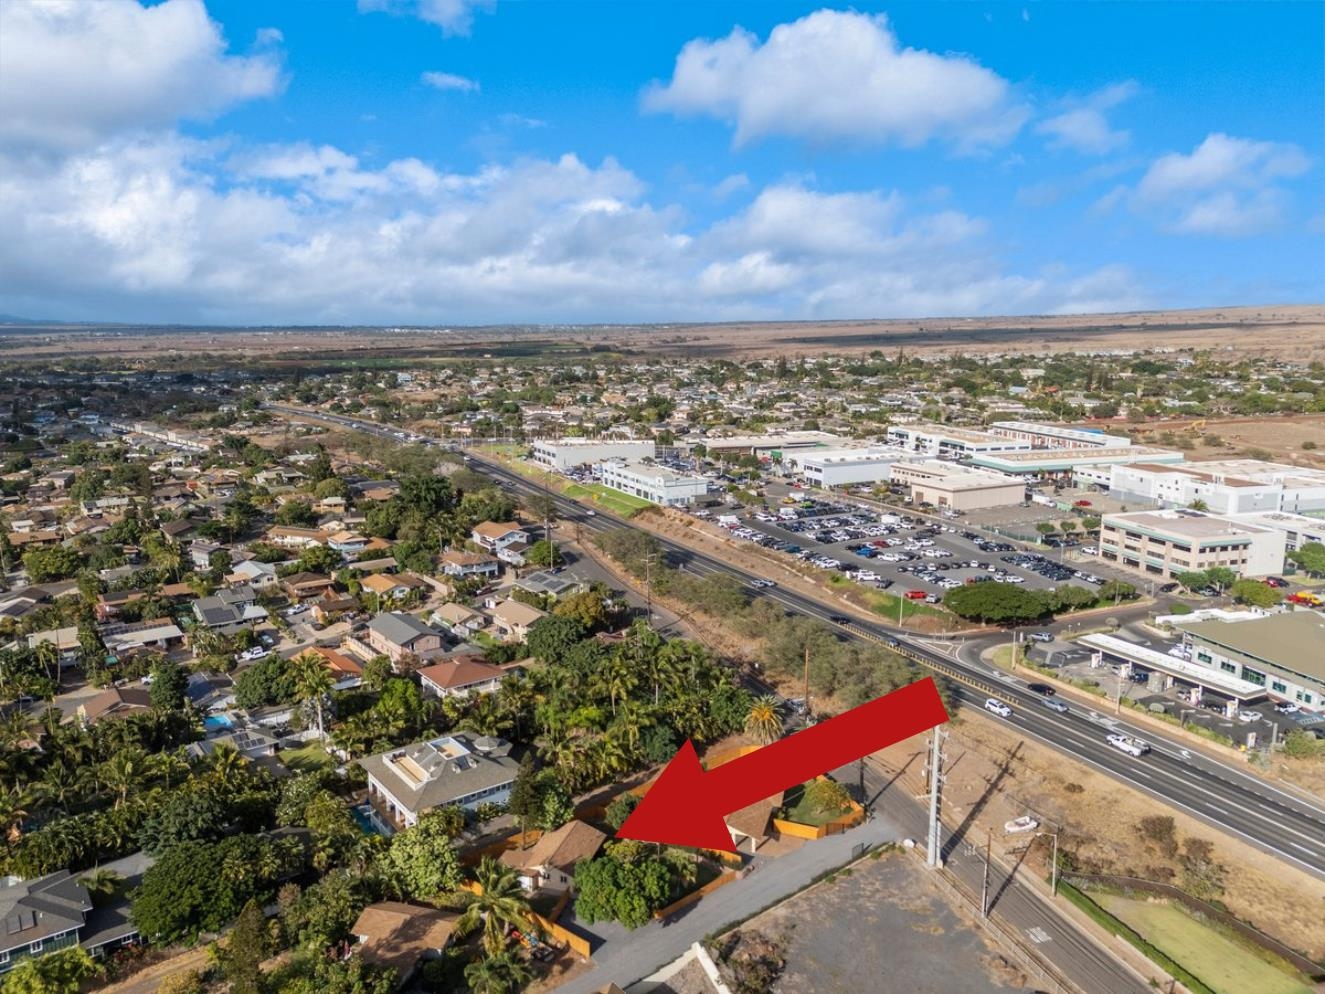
<point x="444" y="161"/>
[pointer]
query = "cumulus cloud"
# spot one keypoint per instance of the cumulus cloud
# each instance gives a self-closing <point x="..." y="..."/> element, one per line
<point x="1084" y="126"/>
<point x="1226" y="186"/>
<point x="834" y="76"/>
<point x="170" y="229"/>
<point x="75" y="73"/>
<point x="454" y="17"/>
<point x="449" y="81"/>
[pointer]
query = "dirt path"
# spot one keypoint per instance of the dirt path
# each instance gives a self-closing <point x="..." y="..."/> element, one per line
<point x="146" y="981"/>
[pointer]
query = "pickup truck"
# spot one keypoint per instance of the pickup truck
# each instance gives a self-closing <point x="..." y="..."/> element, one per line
<point x="1129" y="745"/>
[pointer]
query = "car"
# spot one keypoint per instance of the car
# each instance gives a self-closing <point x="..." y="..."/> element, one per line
<point x="1247" y="717"/>
<point x="291" y="611"/>
<point x="1042" y="636"/>
<point x="1287" y="707"/>
<point x="257" y="652"/>
<point x="1129" y="745"/>
<point x="1275" y="581"/>
<point x="915" y="595"/>
<point x="591" y="513"/>
<point x="1055" y="705"/>
<point x="1041" y="688"/>
<point x="994" y="706"/>
<point x="839" y="619"/>
<point x="764" y="583"/>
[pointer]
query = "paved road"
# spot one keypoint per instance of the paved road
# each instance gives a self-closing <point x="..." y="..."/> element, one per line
<point x="1219" y="794"/>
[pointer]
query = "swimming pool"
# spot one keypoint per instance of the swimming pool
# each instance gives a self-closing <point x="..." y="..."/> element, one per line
<point x="370" y="822"/>
<point x="218" y="722"/>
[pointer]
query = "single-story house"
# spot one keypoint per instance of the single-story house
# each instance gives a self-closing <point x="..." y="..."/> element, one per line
<point x="302" y="586"/>
<point x="385" y="586"/>
<point x="400" y="936"/>
<point x="549" y="865"/>
<point x="253" y="573"/>
<point x="460" y="619"/>
<point x="114" y="702"/>
<point x="289" y="537"/>
<point x="461" y="676"/>
<point x="514" y="619"/>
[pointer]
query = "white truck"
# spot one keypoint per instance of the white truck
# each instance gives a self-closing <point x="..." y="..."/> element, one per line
<point x="1129" y="745"/>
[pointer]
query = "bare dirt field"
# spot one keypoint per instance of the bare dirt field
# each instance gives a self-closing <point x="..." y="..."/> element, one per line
<point x="832" y="937"/>
<point x="1297" y="330"/>
<point x="1099" y="817"/>
<point x="1277" y="437"/>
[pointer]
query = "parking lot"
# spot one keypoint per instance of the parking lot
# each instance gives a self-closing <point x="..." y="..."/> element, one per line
<point x="895" y="551"/>
<point x="1145" y="687"/>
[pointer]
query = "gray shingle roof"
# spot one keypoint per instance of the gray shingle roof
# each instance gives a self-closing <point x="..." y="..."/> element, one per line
<point x="401" y="629"/>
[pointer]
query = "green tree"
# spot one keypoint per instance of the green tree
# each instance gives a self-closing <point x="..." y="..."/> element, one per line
<point x="55" y="563"/>
<point x="421" y="862"/>
<point x="552" y="637"/>
<point x="543" y="553"/>
<point x="1191" y="579"/>
<point x="997" y="602"/>
<point x="60" y="972"/>
<point x="169" y="686"/>
<point x="247" y="945"/>
<point x="1254" y="593"/>
<point x="267" y="682"/>
<point x="500" y="974"/>
<point x="1301" y="744"/>
<point x="589" y="608"/>
<point x="500" y="905"/>
<point x="376" y="672"/>
<point x="1310" y="557"/>
<point x="609" y="889"/>
<point x="1221" y="577"/>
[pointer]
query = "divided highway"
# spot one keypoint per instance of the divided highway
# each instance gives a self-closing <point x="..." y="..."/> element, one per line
<point x="1217" y="793"/>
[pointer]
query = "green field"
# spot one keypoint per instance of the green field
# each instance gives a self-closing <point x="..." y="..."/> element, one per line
<point x="307" y="758"/>
<point x="798" y="808"/>
<point x="1225" y="965"/>
<point x="613" y="500"/>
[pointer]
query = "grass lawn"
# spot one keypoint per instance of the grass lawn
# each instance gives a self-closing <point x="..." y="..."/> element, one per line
<point x="1226" y="966"/>
<point x="622" y="504"/>
<point x="799" y="809"/>
<point x="307" y="758"/>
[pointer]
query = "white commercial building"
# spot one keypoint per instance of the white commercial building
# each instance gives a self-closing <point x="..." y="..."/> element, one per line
<point x="1281" y="653"/>
<point x="843" y="467"/>
<point x="772" y="445"/>
<point x="1298" y="529"/>
<point x="652" y="483"/>
<point x="1063" y="461"/>
<point x="567" y="453"/>
<point x="1056" y="436"/>
<point x="952" y="485"/>
<point x="1164" y="543"/>
<point x="940" y="440"/>
<point x="1228" y="486"/>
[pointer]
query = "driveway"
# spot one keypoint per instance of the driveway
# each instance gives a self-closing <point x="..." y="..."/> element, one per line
<point x="625" y="957"/>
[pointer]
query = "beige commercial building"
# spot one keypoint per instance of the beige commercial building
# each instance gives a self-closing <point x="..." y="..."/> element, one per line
<point x="960" y="488"/>
<point x="1164" y="543"/>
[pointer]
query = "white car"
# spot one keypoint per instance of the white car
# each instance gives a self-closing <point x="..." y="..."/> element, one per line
<point x="1129" y="745"/>
<point x="1287" y="707"/>
<point x="257" y="652"/>
<point x="1249" y="716"/>
<point x="995" y="706"/>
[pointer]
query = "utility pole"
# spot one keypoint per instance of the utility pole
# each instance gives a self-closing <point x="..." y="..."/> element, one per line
<point x="933" y="858"/>
<point x="648" y="588"/>
<point x="984" y="882"/>
<point x="1053" y="869"/>
<point x="807" y="686"/>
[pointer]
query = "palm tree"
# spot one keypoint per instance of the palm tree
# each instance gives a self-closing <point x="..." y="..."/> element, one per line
<point x="101" y="883"/>
<point x="502" y="974"/>
<point x="227" y="764"/>
<point x="48" y="657"/>
<point x="13" y="810"/>
<point x="764" y="721"/>
<point x="124" y="771"/>
<point x="619" y="677"/>
<point x="500" y="905"/>
<point x="313" y="681"/>
<point x="170" y="765"/>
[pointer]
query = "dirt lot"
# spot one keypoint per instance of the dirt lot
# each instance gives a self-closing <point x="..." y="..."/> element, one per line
<point x="832" y="933"/>
<point x="1099" y="818"/>
<point x="1298" y="330"/>
<point x="1278" y="437"/>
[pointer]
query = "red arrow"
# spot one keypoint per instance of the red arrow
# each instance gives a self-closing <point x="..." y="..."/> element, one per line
<point x="687" y="805"/>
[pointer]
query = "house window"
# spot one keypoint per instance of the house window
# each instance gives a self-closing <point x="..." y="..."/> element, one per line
<point x="35" y="947"/>
<point x="1279" y="687"/>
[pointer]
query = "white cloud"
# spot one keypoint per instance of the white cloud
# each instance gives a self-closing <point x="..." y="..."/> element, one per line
<point x="1084" y="126"/>
<point x="1226" y="186"/>
<point x="168" y="229"/>
<point x="1221" y="160"/>
<point x="450" y="81"/>
<point x="729" y="185"/>
<point x="454" y="17"/>
<point x="839" y="76"/>
<point x="75" y="73"/>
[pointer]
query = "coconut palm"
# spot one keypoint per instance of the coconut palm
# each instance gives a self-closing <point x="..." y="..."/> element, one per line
<point x="101" y="883"/>
<point x="227" y="765"/>
<point x="313" y="681"/>
<point x="764" y="720"/>
<point x="501" y="974"/>
<point x="500" y="905"/>
<point x="14" y="804"/>
<point x="123" y="773"/>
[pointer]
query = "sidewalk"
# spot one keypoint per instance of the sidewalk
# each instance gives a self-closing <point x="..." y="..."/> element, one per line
<point x="636" y="954"/>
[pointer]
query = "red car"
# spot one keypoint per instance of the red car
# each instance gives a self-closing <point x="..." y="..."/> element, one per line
<point x="915" y="595"/>
<point x="1081" y="503"/>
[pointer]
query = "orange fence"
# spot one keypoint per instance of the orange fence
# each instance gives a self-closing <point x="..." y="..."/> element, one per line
<point x="578" y="944"/>
<point x="518" y="840"/>
<point x="726" y="877"/>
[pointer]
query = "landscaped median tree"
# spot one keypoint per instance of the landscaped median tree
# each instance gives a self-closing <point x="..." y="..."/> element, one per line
<point x="1311" y="558"/>
<point x="1221" y="577"/>
<point x="1193" y="579"/>
<point x="1254" y="593"/>
<point x="1003" y="603"/>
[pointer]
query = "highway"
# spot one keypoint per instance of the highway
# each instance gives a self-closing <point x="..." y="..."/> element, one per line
<point x="1216" y="793"/>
